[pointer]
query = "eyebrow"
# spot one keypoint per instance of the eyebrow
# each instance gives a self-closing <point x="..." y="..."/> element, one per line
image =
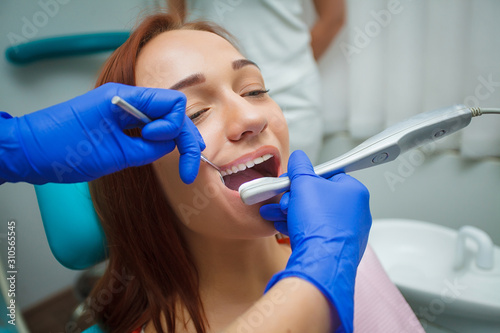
<point x="189" y="81"/>
<point x="240" y="63"/>
<point x="200" y="78"/>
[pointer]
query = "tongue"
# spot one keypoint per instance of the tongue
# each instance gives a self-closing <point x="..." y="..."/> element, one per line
<point x="236" y="179"/>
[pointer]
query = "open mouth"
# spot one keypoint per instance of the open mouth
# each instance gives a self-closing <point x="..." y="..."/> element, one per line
<point x="263" y="166"/>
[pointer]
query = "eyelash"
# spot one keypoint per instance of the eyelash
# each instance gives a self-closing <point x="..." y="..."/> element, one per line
<point x="257" y="93"/>
<point x="197" y="114"/>
<point x="253" y="93"/>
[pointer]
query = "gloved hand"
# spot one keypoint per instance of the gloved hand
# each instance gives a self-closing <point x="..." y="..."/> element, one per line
<point x="83" y="139"/>
<point x="328" y="222"/>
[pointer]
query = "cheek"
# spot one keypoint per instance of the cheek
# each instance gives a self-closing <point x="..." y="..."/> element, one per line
<point x="188" y="201"/>
<point x="280" y="128"/>
<point x="167" y="173"/>
<point x="212" y="131"/>
<point x="204" y="208"/>
<point x="278" y="125"/>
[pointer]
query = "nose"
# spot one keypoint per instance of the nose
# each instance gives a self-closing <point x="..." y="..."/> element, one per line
<point x="244" y="119"/>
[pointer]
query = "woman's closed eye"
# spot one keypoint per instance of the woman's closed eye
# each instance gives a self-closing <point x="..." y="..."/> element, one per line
<point x="198" y="114"/>
<point x="256" y="93"/>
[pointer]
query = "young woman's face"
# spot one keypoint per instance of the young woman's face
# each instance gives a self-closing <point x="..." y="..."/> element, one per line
<point x="239" y="122"/>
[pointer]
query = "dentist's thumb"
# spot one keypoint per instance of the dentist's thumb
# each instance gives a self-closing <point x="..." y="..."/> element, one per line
<point x="299" y="165"/>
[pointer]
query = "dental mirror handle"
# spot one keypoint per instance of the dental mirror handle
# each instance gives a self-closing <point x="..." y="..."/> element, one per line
<point x="381" y="148"/>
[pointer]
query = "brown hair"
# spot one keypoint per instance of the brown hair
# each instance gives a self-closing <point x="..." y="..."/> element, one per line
<point x="144" y="240"/>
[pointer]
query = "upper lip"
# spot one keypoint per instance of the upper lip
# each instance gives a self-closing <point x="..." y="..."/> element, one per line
<point x="253" y="155"/>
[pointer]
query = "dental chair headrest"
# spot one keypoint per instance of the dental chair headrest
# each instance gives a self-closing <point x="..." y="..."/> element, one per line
<point x="71" y="224"/>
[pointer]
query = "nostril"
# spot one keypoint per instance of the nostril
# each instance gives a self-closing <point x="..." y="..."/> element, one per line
<point x="246" y="133"/>
<point x="245" y="121"/>
<point x="253" y="131"/>
<point x="264" y="127"/>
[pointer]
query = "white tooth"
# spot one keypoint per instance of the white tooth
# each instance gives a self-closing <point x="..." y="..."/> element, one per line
<point x="223" y="173"/>
<point x="248" y="164"/>
<point x="258" y="160"/>
<point x="267" y="156"/>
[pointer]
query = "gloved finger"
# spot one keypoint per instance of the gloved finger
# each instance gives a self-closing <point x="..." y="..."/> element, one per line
<point x="272" y="212"/>
<point x="284" y="201"/>
<point x="155" y="103"/>
<point x="196" y="133"/>
<point x="161" y="130"/>
<point x="140" y="152"/>
<point x="281" y="227"/>
<point x="339" y="177"/>
<point x="160" y="103"/>
<point x="189" y="148"/>
<point x="201" y="142"/>
<point x="169" y="125"/>
<point x="350" y="182"/>
<point x="299" y="165"/>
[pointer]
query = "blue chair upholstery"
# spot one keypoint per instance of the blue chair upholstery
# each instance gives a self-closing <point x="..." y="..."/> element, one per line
<point x="71" y="224"/>
<point x="93" y="329"/>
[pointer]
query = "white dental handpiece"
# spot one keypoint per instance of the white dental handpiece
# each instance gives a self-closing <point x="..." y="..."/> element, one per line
<point x="381" y="148"/>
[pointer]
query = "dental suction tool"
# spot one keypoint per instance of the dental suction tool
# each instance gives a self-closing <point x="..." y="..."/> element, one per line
<point x="117" y="100"/>
<point x="381" y="148"/>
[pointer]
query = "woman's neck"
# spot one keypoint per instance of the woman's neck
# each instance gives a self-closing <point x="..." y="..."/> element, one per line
<point x="234" y="273"/>
<point x="228" y="265"/>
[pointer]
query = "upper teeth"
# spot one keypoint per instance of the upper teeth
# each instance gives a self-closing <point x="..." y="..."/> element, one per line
<point x="247" y="164"/>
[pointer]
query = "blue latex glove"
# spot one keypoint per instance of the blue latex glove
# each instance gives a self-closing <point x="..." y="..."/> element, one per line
<point x="328" y="222"/>
<point x="83" y="139"/>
